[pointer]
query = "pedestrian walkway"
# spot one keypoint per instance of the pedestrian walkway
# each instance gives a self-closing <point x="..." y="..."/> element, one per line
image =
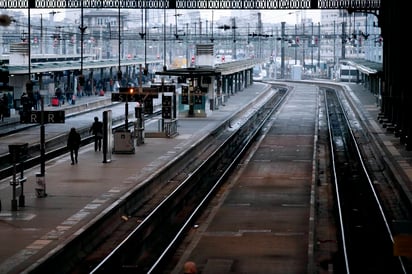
<point x="82" y="103"/>
<point x="394" y="154"/>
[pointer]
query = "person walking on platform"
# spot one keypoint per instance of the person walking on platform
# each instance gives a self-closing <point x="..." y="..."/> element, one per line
<point x="97" y="130"/>
<point x="73" y="143"/>
<point x="4" y="107"/>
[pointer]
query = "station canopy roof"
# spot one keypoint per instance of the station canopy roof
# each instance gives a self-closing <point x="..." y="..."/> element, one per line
<point x="41" y="67"/>
<point x="365" y="66"/>
<point x="217" y="70"/>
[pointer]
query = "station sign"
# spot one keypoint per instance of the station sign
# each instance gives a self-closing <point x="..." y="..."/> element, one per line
<point x="167" y="106"/>
<point x="50" y="117"/>
<point x="185" y="95"/>
<point x="126" y="97"/>
<point x="133" y="94"/>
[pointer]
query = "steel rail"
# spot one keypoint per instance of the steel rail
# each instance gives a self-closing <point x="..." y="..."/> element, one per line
<point x="336" y="185"/>
<point x="220" y="180"/>
<point x="227" y="153"/>
<point x="365" y="173"/>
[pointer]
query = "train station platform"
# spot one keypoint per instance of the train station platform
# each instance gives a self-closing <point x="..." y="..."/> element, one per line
<point x="80" y="105"/>
<point x="78" y="194"/>
<point x="393" y="153"/>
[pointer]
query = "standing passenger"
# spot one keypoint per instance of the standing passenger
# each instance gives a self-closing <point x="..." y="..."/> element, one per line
<point x="4" y="107"/>
<point x="73" y="143"/>
<point x="97" y="130"/>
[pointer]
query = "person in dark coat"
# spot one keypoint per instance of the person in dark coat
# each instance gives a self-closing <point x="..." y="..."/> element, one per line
<point x="97" y="130"/>
<point x="4" y="107"/>
<point x="73" y="144"/>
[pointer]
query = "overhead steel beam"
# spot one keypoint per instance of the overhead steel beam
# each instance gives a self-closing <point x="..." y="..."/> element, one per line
<point x="192" y="4"/>
<point x="74" y="65"/>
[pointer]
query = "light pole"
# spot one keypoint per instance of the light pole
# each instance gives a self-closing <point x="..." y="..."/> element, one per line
<point x="212" y="39"/>
<point x="119" y="71"/>
<point x="164" y="40"/>
<point x="344" y="37"/>
<point x="296" y="44"/>
<point x="282" y="52"/>
<point x="146" y="65"/>
<point x="312" y="44"/>
<point x="319" y="46"/>
<point x="41" y="40"/>
<point x="60" y="39"/>
<point x="303" y="47"/>
<point x="29" y="90"/>
<point x="28" y="42"/>
<point x="82" y="29"/>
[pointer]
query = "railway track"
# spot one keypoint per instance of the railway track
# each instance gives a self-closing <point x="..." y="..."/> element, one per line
<point x="153" y="217"/>
<point x="366" y="237"/>
<point x="152" y="226"/>
<point x="188" y="193"/>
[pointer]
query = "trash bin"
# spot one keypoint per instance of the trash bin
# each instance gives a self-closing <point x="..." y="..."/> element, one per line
<point x="123" y="142"/>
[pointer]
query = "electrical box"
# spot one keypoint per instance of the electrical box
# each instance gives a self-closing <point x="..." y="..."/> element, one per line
<point x="123" y="142"/>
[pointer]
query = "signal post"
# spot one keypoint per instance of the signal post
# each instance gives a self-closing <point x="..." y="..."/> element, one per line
<point x="123" y="142"/>
<point x="143" y="96"/>
<point x="42" y="117"/>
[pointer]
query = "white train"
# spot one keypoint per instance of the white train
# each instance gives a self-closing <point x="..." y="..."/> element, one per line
<point x="347" y="73"/>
